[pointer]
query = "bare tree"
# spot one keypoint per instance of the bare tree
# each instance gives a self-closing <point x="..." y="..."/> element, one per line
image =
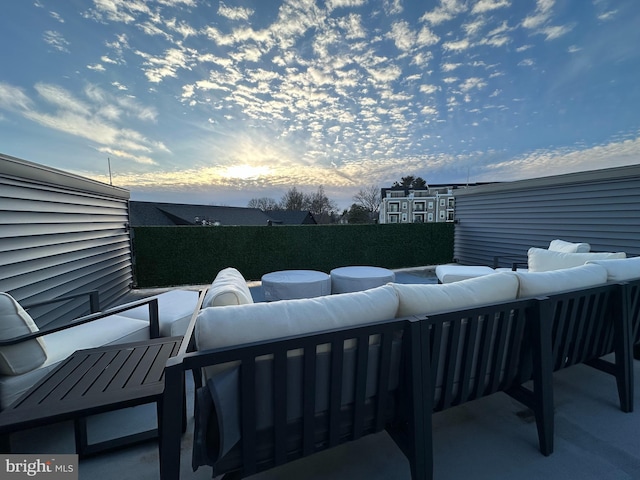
<point x="319" y="203"/>
<point x="368" y="198"/>
<point x="263" y="203"/>
<point x="293" y="200"/>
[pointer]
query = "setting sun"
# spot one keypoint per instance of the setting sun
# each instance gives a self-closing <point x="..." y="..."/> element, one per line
<point x="245" y="171"/>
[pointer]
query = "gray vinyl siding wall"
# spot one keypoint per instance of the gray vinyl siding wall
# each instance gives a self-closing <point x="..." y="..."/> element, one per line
<point x="599" y="207"/>
<point x="61" y="234"/>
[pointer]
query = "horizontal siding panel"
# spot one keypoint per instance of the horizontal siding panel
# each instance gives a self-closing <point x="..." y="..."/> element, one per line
<point x="508" y="219"/>
<point x="61" y="234"/>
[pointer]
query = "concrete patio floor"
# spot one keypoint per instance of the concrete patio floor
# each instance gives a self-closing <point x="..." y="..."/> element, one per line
<point x="493" y="438"/>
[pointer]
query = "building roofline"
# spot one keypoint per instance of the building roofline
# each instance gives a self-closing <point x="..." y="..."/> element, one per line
<point x="589" y="176"/>
<point x="18" y="168"/>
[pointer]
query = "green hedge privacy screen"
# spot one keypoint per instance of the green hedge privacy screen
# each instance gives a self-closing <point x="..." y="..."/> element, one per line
<point x="169" y="256"/>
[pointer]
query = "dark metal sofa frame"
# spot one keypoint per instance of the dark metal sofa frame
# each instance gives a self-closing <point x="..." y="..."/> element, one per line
<point x="448" y="359"/>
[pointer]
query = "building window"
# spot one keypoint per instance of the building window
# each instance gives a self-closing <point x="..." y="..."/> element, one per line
<point x="449" y="215"/>
<point x="430" y="217"/>
<point x="404" y="205"/>
<point x="394" y="206"/>
<point x="404" y="217"/>
<point x="393" y="218"/>
<point x="451" y="202"/>
<point x="442" y="212"/>
<point x="418" y="206"/>
<point x="442" y="202"/>
<point x="430" y="205"/>
<point x="418" y="218"/>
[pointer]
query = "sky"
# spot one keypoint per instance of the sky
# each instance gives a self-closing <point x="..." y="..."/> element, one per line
<point x="218" y="102"/>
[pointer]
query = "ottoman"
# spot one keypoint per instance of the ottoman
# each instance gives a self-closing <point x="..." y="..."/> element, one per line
<point x="354" y="279"/>
<point x="290" y="284"/>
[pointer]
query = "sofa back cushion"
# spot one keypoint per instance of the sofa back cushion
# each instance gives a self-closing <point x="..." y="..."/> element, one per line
<point x="431" y="298"/>
<point x="541" y="260"/>
<point x="620" y="270"/>
<point x="228" y="288"/>
<point x="14" y="322"/>
<point x="568" y="247"/>
<point x="235" y="325"/>
<point x="533" y="284"/>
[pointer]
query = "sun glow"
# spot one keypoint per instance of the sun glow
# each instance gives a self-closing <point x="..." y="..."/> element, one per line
<point x="245" y="171"/>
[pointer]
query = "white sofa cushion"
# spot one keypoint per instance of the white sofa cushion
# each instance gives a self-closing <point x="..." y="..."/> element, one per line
<point x="114" y="329"/>
<point x="568" y="247"/>
<point x="228" y="288"/>
<point x="455" y="273"/>
<point x="234" y="325"/>
<point x="533" y="284"/>
<point x="175" y="309"/>
<point x="14" y="322"/>
<point x="620" y="270"/>
<point x="541" y="260"/>
<point x="431" y="298"/>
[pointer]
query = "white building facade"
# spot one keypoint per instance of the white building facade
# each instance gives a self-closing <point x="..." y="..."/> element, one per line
<point x="401" y="205"/>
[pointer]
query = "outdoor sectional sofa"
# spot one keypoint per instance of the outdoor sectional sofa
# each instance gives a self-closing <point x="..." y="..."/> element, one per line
<point x="279" y="381"/>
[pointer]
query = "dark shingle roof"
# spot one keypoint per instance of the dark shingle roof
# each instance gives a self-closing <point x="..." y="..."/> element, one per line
<point x="172" y="214"/>
<point x="292" y="217"/>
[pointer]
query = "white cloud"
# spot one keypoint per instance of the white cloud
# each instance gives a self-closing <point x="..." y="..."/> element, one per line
<point x="56" y="40"/>
<point x="457" y="46"/>
<point x="97" y="67"/>
<point x="471" y="83"/>
<point x="402" y="35"/>
<point x="333" y="4"/>
<point x="488" y="5"/>
<point x="235" y="13"/>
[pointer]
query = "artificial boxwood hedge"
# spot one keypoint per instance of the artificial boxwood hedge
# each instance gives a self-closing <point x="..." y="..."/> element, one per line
<point x="168" y="256"/>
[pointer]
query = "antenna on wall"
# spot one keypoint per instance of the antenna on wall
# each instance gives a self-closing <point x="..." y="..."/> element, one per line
<point x="109" y="162"/>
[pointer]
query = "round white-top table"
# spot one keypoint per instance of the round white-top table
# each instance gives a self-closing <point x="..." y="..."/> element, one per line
<point x="289" y="284"/>
<point x="355" y="279"/>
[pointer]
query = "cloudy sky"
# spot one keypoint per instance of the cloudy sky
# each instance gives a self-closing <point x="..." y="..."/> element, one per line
<point x="217" y="102"/>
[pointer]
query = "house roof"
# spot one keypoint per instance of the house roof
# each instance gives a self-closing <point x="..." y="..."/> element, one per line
<point x="292" y="217"/>
<point x="173" y="214"/>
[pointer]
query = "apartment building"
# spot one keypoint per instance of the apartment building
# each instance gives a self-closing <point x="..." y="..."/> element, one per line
<point x="405" y="205"/>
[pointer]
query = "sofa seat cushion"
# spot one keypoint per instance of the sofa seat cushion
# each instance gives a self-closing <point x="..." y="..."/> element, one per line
<point x="620" y="270"/>
<point x="175" y="308"/>
<point x="14" y="322"/>
<point x="568" y="247"/>
<point x="234" y="325"/>
<point x="114" y="329"/>
<point x="541" y="260"/>
<point x="533" y="284"/>
<point x="431" y="298"/>
<point x="228" y="288"/>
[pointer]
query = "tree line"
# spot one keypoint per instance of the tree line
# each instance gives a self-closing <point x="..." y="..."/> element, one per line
<point x="364" y="209"/>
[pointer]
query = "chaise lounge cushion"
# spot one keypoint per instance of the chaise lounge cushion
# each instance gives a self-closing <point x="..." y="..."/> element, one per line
<point x="231" y="325"/>
<point x="568" y="247"/>
<point x="534" y="284"/>
<point x="14" y="322"/>
<point x="114" y="329"/>
<point x="541" y="260"/>
<point x="175" y="309"/>
<point x="427" y="299"/>
<point x="620" y="270"/>
<point x="228" y="288"/>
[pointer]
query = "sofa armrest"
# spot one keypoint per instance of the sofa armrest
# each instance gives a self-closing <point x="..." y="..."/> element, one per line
<point x="153" y="320"/>
<point x="515" y="261"/>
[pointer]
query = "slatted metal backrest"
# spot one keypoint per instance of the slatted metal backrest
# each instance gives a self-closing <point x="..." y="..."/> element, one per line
<point x="280" y="351"/>
<point x="582" y="323"/>
<point x="474" y="352"/>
